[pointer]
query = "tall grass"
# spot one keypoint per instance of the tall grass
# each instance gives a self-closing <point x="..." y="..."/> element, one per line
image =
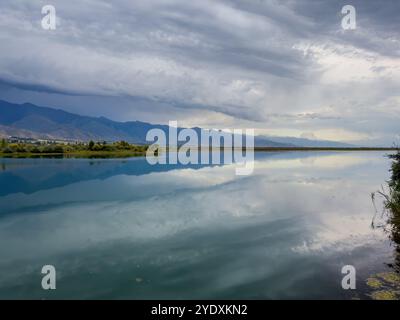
<point x="391" y="202"/>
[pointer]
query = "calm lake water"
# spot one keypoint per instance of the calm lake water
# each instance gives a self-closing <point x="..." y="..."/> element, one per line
<point x="123" y="229"/>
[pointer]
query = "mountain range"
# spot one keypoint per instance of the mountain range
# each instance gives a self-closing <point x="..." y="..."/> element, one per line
<point x="31" y="121"/>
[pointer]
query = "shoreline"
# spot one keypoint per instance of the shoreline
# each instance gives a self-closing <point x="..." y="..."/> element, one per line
<point x="127" y="154"/>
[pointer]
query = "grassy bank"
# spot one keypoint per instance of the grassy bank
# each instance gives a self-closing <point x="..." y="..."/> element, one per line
<point x="78" y="154"/>
<point x="386" y="285"/>
<point x="122" y="149"/>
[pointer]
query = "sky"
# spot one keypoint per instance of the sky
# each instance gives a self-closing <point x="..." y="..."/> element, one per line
<point x="284" y="68"/>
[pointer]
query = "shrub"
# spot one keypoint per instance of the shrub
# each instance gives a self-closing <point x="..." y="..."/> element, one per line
<point x="97" y="147"/>
<point x="58" y="149"/>
<point x="53" y="149"/>
<point x="35" y="150"/>
<point x="18" y="148"/>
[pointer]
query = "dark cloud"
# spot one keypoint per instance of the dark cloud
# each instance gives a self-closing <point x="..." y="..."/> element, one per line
<point x="242" y="62"/>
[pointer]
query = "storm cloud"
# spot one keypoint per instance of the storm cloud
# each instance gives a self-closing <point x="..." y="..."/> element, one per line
<point x="283" y="67"/>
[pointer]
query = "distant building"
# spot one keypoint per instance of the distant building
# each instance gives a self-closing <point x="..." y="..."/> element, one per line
<point x="14" y="139"/>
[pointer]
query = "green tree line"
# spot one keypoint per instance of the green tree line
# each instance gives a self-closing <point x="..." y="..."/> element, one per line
<point x="92" y="146"/>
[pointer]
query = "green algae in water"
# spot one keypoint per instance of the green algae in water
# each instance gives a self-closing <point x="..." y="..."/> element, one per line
<point x="384" y="295"/>
<point x="374" y="283"/>
<point x="390" y="277"/>
<point x="388" y="284"/>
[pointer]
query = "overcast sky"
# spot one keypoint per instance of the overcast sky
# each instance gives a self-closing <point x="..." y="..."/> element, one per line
<point x="283" y="67"/>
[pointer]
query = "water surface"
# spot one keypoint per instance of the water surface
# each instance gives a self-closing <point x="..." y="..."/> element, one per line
<point x="123" y="229"/>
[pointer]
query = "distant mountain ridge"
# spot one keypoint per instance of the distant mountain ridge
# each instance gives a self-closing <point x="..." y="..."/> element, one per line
<point x="303" y="142"/>
<point x="29" y="120"/>
<point x="44" y="122"/>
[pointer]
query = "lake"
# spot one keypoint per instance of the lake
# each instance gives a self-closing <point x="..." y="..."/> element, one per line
<point x="123" y="229"/>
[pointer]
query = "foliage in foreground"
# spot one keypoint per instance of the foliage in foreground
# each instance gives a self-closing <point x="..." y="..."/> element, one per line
<point x="392" y="202"/>
<point x="392" y="206"/>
